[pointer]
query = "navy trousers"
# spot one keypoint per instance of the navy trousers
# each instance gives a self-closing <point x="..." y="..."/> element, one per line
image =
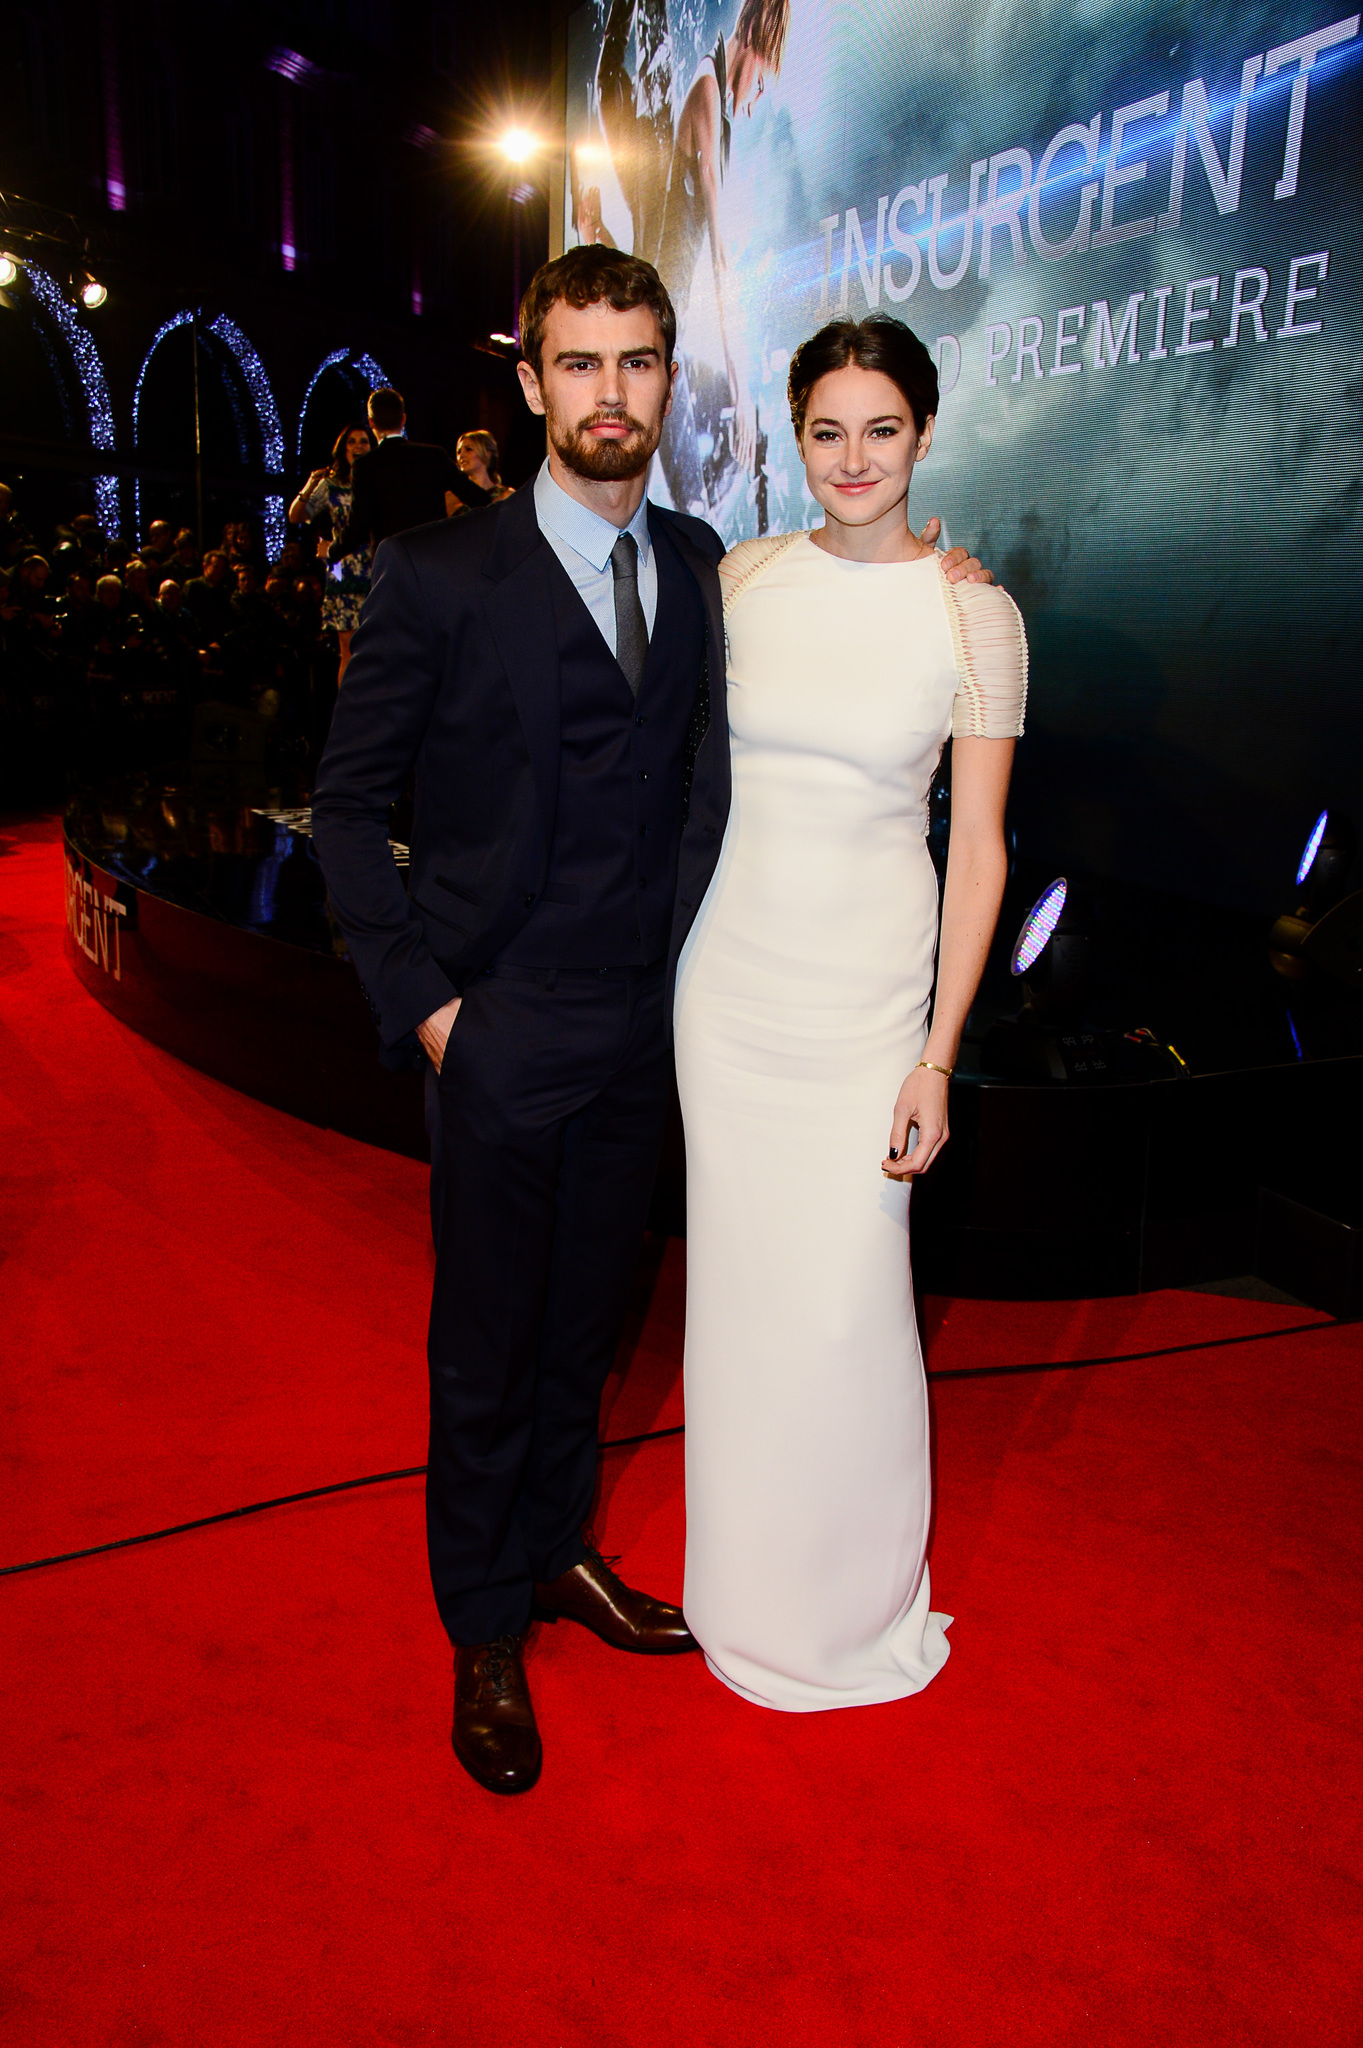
<point x="546" y="1125"/>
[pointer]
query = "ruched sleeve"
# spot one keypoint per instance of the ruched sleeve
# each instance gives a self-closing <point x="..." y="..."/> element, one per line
<point x="745" y="562"/>
<point x="991" y="662"/>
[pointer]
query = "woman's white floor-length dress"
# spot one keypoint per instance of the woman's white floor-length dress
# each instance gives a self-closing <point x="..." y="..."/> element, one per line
<point x="802" y="1003"/>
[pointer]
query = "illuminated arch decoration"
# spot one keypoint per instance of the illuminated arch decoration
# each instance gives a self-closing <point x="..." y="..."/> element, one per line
<point x="271" y="432"/>
<point x="262" y="398"/>
<point x="94" y="383"/>
<point x="339" y="359"/>
<point x="166" y="327"/>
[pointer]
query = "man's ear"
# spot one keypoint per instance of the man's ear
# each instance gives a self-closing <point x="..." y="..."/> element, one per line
<point x="530" y="385"/>
<point x="672" y="370"/>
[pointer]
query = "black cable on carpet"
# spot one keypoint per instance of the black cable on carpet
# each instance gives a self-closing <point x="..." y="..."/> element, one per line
<point x="617" y="1443"/>
<point x="983" y="1372"/>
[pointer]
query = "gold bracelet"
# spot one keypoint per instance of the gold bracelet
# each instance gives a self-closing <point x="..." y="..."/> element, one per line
<point x="948" y="1071"/>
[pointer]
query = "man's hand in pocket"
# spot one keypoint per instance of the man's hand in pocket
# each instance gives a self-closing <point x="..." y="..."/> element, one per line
<point x="434" y="1033"/>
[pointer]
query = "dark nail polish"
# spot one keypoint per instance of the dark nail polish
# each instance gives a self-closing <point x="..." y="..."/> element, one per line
<point x="894" y="1152"/>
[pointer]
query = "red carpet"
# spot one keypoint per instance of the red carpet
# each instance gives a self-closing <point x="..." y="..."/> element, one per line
<point x="1127" y="1812"/>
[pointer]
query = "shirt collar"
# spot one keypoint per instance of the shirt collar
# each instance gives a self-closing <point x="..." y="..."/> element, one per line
<point x="581" y="529"/>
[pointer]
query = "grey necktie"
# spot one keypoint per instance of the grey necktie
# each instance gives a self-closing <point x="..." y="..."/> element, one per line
<point x="631" y="633"/>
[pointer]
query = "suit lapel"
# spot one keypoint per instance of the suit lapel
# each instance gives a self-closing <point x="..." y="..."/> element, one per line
<point x="707" y="583"/>
<point x="519" y="606"/>
<point x="676" y="597"/>
<point x="708" y="743"/>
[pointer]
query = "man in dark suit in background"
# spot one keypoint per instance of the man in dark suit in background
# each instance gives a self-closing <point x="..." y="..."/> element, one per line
<point x="400" y="483"/>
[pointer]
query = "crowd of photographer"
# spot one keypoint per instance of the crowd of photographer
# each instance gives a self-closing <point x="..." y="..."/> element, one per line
<point x="108" y="652"/>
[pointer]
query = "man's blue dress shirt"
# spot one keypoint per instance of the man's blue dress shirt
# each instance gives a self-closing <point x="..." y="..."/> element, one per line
<point x="582" y="540"/>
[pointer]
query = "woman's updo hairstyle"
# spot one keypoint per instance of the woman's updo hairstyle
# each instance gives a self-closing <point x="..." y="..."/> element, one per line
<point x="879" y="342"/>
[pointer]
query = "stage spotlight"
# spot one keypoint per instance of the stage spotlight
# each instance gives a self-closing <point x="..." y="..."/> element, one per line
<point x="93" y="294"/>
<point x="1046" y="1041"/>
<point x="1326" y="929"/>
<point x="1051" y="957"/>
<point x="518" y="145"/>
<point x="504" y="340"/>
<point x="9" y="269"/>
<point x="1038" y="925"/>
<point x="1326" y="862"/>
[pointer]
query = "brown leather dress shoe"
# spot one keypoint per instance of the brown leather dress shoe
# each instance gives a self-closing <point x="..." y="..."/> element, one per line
<point x="495" y="1737"/>
<point x="592" y="1594"/>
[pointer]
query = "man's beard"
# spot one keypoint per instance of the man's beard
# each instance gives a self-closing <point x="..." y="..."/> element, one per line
<point x="604" y="462"/>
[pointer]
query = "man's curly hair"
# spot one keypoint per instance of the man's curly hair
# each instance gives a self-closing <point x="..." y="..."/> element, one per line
<point x="592" y="276"/>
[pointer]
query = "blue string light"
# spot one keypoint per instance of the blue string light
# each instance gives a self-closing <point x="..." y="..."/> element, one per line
<point x="267" y="412"/>
<point x="166" y="327"/>
<point x="94" y="384"/>
<point x="262" y="398"/>
<point x="340" y="358"/>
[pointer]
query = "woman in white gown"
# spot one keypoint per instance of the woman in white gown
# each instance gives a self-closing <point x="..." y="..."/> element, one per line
<point x="812" y="1089"/>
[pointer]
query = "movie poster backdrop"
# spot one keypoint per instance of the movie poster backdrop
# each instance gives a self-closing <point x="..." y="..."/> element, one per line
<point x="1130" y="235"/>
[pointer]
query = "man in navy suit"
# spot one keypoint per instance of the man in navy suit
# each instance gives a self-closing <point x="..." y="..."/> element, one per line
<point x="400" y="483"/>
<point x="552" y="668"/>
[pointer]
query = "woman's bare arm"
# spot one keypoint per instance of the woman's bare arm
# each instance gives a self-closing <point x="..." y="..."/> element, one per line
<point x="298" y="510"/>
<point x="977" y="867"/>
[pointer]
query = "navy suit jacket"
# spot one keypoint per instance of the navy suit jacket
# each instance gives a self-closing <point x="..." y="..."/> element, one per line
<point x="453" y="673"/>
<point x="400" y="484"/>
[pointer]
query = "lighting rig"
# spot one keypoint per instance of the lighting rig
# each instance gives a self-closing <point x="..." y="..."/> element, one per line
<point x="33" y="234"/>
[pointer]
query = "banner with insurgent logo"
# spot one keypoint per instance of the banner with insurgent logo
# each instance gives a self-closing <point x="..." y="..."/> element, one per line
<point x="1130" y="235"/>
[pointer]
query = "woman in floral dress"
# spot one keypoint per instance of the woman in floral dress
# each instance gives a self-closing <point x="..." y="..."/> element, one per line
<point x="328" y="493"/>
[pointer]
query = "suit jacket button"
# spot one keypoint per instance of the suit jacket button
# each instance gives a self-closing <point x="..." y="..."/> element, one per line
<point x="529" y="902"/>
